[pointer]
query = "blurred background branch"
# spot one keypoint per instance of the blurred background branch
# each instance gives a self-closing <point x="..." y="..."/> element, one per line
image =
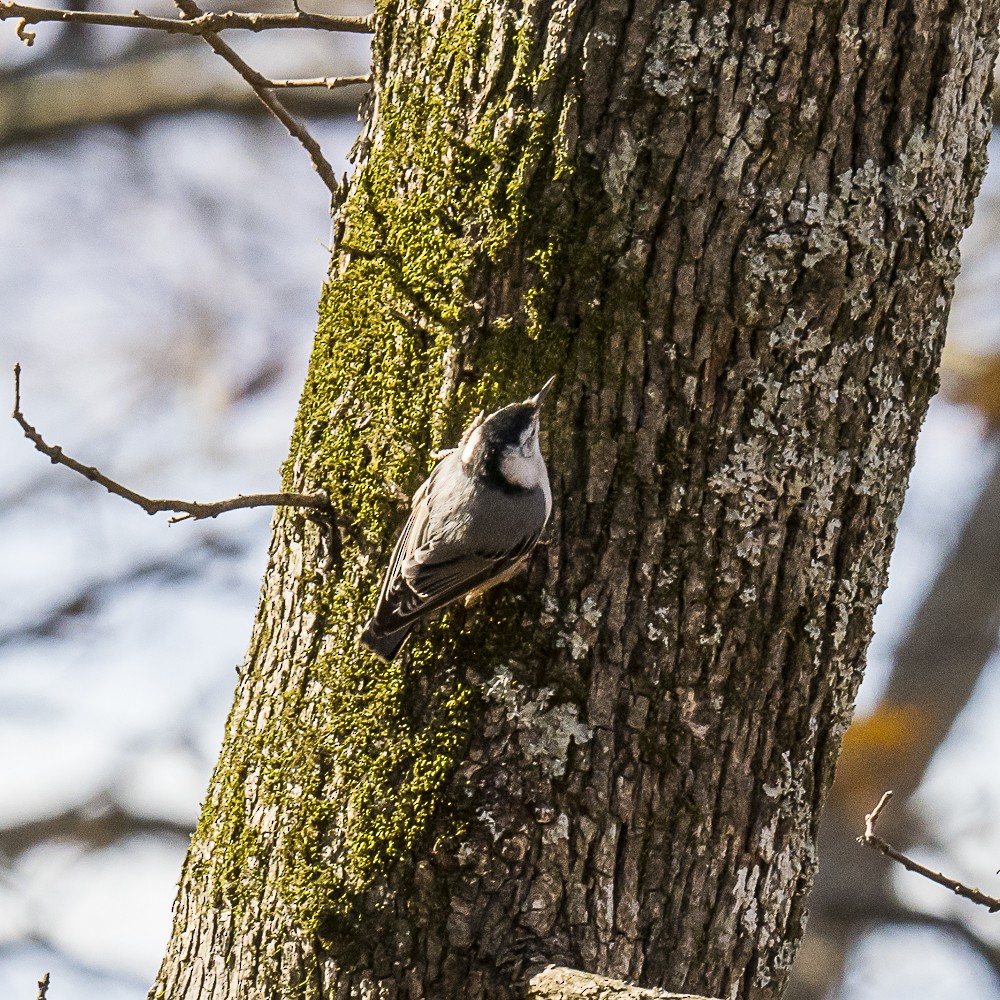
<point x="151" y="81"/>
<point x="144" y="86"/>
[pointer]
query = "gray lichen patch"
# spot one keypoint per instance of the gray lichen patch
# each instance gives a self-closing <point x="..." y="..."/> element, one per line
<point x="850" y="233"/>
<point x="682" y="43"/>
<point x="544" y="730"/>
<point x="620" y="163"/>
<point x="579" y="621"/>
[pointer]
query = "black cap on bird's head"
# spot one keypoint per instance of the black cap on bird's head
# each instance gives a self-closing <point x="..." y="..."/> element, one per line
<point x="517" y="423"/>
<point x="509" y="435"/>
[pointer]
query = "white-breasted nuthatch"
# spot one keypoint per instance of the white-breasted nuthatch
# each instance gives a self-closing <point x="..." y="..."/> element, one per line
<point x="474" y="523"/>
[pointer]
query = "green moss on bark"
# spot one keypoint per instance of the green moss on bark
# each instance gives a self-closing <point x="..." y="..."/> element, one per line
<point x="356" y="775"/>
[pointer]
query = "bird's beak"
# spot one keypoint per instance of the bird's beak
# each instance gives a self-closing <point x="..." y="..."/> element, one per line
<point x="539" y="397"/>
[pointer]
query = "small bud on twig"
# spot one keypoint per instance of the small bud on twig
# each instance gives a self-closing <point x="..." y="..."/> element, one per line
<point x="28" y="37"/>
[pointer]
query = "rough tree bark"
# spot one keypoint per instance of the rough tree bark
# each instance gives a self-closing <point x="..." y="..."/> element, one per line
<point x="732" y="230"/>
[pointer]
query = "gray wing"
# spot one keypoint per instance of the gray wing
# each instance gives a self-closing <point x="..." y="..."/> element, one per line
<point x="436" y="562"/>
<point x="438" y="575"/>
<point x="417" y="520"/>
<point x="426" y="586"/>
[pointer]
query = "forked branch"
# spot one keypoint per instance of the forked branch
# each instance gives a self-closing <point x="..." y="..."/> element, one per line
<point x="871" y="839"/>
<point x="207" y="25"/>
<point x="262" y="88"/>
<point x="183" y="509"/>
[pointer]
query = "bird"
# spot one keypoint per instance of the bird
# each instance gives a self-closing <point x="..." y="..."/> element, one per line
<point x="473" y="523"/>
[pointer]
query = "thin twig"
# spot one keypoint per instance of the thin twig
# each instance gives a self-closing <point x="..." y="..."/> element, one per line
<point x="199" y="25"/>
<point x="261" y="85"/>
<point x="330" y="82"/>
<point x="870" y="839"/>
<point x="43" y="987"/>
<point x="184" y="509"/>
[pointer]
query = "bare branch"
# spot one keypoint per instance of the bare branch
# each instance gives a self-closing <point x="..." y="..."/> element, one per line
<point x="330" y="82"/>
<point x="261" y="87"/>
<point x="870" y="839"/>
<point x="184" y="509"/>
<point x="43" y="983"/>
<point x="201" y="24"/>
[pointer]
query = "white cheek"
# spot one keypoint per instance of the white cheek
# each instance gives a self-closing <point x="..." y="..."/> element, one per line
<point x="516" y="469"/>
<point x="524" y="470"/>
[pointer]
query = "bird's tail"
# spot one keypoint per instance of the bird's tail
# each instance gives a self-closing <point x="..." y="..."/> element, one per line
<point x="385" y="645"/>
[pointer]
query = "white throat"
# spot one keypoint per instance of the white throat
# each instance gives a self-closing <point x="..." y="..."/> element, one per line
<point x="525" y="467"/>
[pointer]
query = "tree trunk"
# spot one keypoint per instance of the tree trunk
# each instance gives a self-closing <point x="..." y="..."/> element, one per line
<point x="733" y="233"/>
